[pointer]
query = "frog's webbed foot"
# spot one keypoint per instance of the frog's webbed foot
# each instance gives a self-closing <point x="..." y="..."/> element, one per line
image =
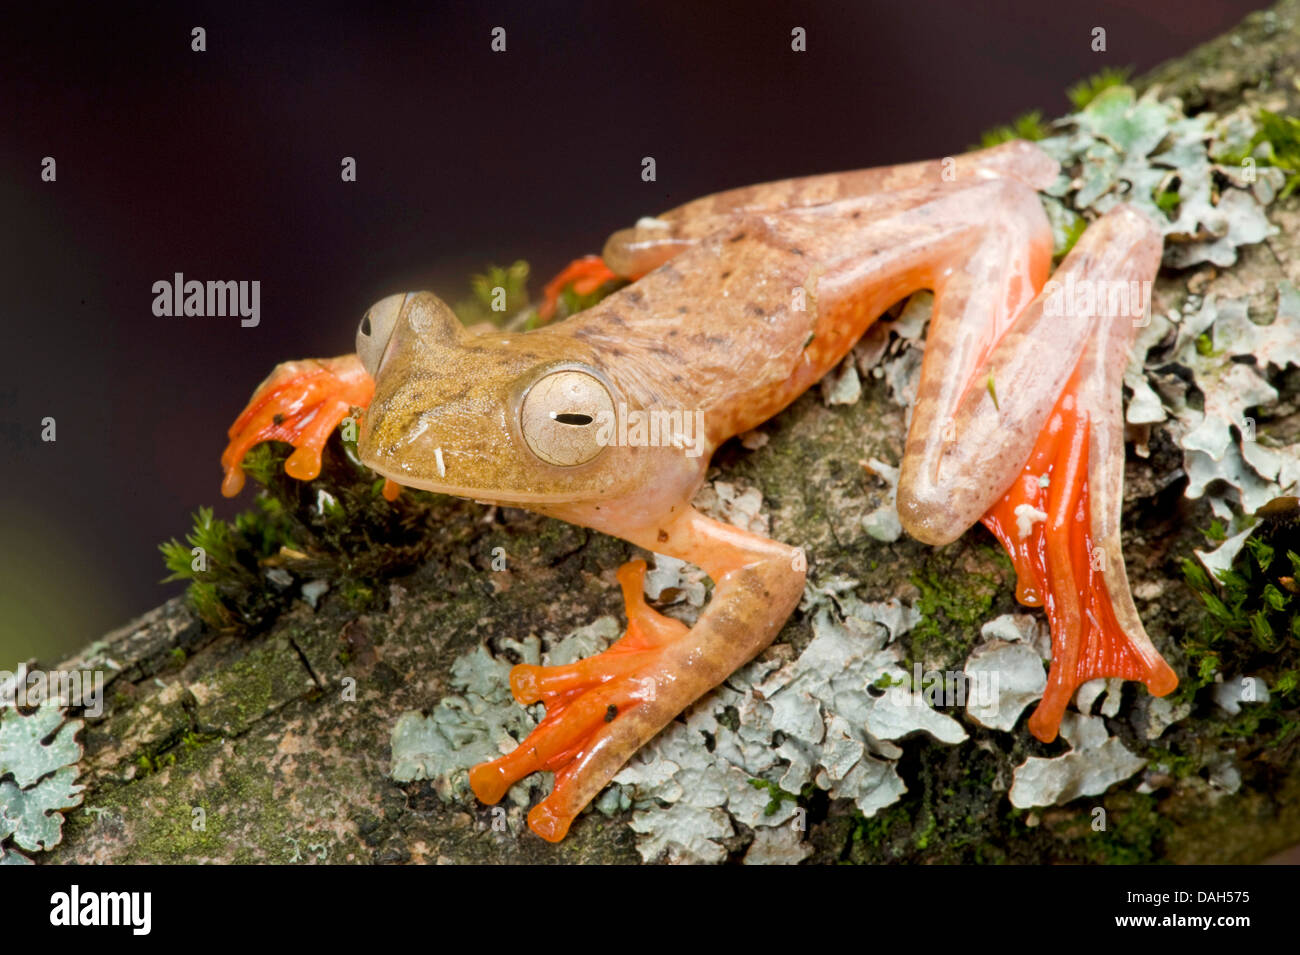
<point x="1067" y="559"/>
<point x="581" y="698"/>
<point x="601" y="710"/>
<point x="301" y="402"/>
<point x="1071" y="560"/>
<point x="585" y="275"/>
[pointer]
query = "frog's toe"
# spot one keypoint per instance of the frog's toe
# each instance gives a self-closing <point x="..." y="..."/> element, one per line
<point x="573" y="723"/>
<point x="585" y="703"/>
<point x="301" y="403"/>
<point x="585" y="275"/>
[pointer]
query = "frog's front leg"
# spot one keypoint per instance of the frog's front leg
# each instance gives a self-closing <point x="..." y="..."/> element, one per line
<point x="300" y="402"/>
<point x="603" y="709"/>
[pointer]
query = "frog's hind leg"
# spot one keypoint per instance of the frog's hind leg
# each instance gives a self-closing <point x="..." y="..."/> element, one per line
<point x="301" y="403"/>
<point x="602" y="710"/>
<point x="1072" y="560"/>
<point x="655" y="240"/>
<point x="1032" y="443"/>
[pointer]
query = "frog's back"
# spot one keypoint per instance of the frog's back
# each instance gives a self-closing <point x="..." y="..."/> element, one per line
<point x="727" y="328"/>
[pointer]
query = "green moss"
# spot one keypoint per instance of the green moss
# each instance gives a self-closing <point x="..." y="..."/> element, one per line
<point x="1168" y="200"/>
<point x="1078" y="224"/>
<point x="776" y="795"/>
<point x="1027" y="126"/>
<point x="500" y="296"/>
<point x="486" y="304"/>
<point x="1086" y="90"/>
<point x="1134" y="834"/>
<point x="953" y="607"/>
<point x="922" y="836"/>
<point x="951" y="813"/>
<point x="165" y="754"/>
<point x="1282" y="135"/>
<point x="244" y="573"/>
<point x="1250" y="628"/>
<point x="358" y="595"/>
<point x="876" y="830"/>
<point x="1251" y="607"/>
<point x="1178" y="765"/>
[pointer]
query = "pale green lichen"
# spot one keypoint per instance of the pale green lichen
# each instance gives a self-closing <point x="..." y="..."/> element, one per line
<point x="1095" y="762"/>
<point x="481" y="720"/>
<point x="38" y="774"/>
<point x="1145" y="152"/>
<point x="1223" y="439"/>
<point x="1012" y="669"/>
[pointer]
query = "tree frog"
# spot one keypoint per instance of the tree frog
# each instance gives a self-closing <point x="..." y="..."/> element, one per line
<point x="742" y="300"/>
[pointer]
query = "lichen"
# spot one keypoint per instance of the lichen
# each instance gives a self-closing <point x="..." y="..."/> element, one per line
<point x="39" y="753"/>
<point x="1095" y="762"/>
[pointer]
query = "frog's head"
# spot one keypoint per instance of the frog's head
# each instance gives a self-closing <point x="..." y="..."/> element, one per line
<point x="501" y="417"/>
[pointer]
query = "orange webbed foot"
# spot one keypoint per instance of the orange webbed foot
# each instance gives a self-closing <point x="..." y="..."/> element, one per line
<point x="584" y="703"/>
<point x="585" y="275"/>
<point x="1045" y="523"/>
<point x="301" y="402"/>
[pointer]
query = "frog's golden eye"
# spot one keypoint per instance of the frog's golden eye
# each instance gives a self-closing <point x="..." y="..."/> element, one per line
<point x="563" y="416"/>
<point x="376" y="328"/>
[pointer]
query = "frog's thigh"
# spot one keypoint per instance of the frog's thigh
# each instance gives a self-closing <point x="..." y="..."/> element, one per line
<point x="1017" y="160"/>
<point x="654" y="241"/>
<point x="962" y="455"/>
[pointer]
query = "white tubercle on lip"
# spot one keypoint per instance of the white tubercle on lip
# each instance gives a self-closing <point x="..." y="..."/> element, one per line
<point x="1026" y="517"/>
<point x="442" y="468"/>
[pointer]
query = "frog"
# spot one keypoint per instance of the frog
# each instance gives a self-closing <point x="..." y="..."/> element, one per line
<point x="734" y="305"/>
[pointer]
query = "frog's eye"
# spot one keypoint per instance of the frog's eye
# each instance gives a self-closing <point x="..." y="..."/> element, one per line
<point x="376" y="328"/>
<point x="563" y="414"/>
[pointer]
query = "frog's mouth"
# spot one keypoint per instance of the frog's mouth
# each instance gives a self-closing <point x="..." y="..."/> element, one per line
<point x="481" y="495"/>
<point x="501" y="475"/>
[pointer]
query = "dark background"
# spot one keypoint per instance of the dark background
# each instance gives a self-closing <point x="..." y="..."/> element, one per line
<point x="225" y="165"/>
